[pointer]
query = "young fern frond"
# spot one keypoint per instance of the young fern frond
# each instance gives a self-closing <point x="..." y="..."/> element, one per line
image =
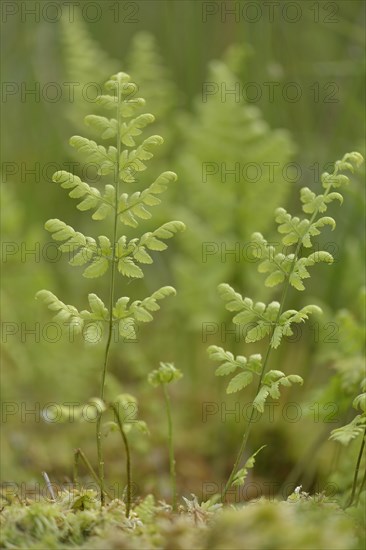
<point x="288" y="269"/>
<point x="120" y="163"/>
<point x="349" y="432"/>
<point x="345" y="434"/>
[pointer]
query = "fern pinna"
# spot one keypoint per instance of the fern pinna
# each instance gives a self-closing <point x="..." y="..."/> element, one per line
<point x="261" y="320"/>
<point x="120" y="163"/>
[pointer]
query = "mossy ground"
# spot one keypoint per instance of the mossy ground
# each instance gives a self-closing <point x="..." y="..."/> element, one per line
<point x="76" y="520"/>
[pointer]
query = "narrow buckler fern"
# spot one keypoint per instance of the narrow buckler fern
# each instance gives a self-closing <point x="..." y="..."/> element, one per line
<point x="119" y="163"/>
<point x="272" y="320"/>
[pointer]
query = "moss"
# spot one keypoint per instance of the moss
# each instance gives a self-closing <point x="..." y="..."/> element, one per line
<point x="303" y="523"/>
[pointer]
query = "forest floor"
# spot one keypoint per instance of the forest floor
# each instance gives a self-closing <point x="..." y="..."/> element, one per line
<point x="75" y="519"/>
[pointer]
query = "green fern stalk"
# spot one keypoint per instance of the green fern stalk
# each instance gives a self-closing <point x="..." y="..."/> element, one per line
<point x="357" y="469"/>
<point x="363" y="482"/>
<point x="128" y="459"/>
<point x="111" y="300"/>
<point x="272" y="320"/>
<point x="163" y="376"/>
<point x="120" y="165"/>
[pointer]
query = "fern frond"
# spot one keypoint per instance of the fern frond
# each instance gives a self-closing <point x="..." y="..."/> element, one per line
<point x="90" y="323"/>
<point x="86" y="64"/>
<point x="122" y="255"/>
<point x="241" y="474"/>
<point x="238" y="161"/>
<point x="270" y="387"/>
<point x="156" y="85"/>
<point x="131" y="207"/>
<point x="134" y="161"/>
<point x="281" y="266"/>
<point x="271" y="320"/>
<point x="266" y="318"/>
<point x="139" y="311"/>
<point x="350" y="431"/>
<point x="98" y="154"/>
<point x="92" y="198"/>
<point x="230" y="364"/>
<point x="98" y="255"/>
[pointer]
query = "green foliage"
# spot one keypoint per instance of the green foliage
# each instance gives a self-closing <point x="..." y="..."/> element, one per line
<point x="85" y="63"/>
<point x="117" y="253"/>
<point x="268" y="320"/>
<point x="279" y="265"/>
<point x="76" y="413"/>
<point x="271" y="382"/>
<point x="271" y="320"/>
<point x="309" y="522"/>
<point x="165" y="374"/>
<point x="149" y="69"/>
<point x="345" y="434"/>
<point x="75" y="520"/>
<point x="103" y="254"/>
<point x="237" y="132"/>
<point x="241" y="474"/>
<point x="126" y="407"/>
<point x="226" y="145"/>
<point x="248" y="367"/>
<point x="346" y="358"/>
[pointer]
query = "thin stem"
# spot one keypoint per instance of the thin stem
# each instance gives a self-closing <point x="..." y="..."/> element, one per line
<point x="93" y="473"/>
<point x="111" y="304"/>
<point x="76" y="466"/>
<point x="128" y="460"/>
<point x="268" y="353"/>
<point x="173" y="479"/>
<point x="355" y="478"/>
<point x="246" y="433"/>
<point x="361" y="488"/>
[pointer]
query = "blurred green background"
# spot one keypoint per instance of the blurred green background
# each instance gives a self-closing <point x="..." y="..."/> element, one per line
<point x="312" y="57"/>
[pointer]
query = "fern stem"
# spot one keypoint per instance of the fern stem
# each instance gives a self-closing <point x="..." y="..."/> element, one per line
<point x="268" y="353"/>
<point x="173" y="480"/>
<point x="128" y="460"/>
<point x="357" y="469"/>
<point x="246" y="433"/>
<point x="76" y="467"/>
<point x="111" y="304"/>
<point x="363" y="482"/>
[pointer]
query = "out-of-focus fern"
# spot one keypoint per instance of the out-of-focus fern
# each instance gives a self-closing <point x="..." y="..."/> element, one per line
<point x="346" y="358"/>
<point x="345" y="434"/>
<point x="85" y="63"/>
<point x="289" y="269"/>
<point x="354" y="429"/>
<point x="350" y="378"/>
<point x="156" y="85"/>
<point x="225" y="135"/>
